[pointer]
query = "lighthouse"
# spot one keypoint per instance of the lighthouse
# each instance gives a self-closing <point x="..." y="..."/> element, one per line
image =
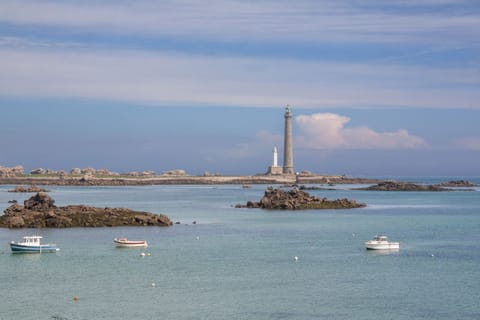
<point x="287" y="143"/>
<point x="275" y="157"/>
<point x="287" y="168"/>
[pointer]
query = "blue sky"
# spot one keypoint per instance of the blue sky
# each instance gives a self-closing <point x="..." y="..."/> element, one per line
<point x="376" y="87"/>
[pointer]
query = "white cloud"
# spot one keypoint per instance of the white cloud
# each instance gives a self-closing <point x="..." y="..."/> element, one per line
<point x="328" y="131"/>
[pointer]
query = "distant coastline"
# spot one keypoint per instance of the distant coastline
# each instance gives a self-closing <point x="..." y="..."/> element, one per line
<point x="104" y="177"/>
<point x="71" y="180"/>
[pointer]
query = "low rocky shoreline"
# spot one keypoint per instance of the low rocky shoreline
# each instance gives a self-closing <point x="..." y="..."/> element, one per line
<point x="277" y="199"/>
<point x="104" y="177"/>
<point x="179" y="180"/>
<point x="39" y="211"/>
<point x="457" y="184"/>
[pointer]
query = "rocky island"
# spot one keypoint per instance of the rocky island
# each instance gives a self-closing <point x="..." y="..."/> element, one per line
<point x="39" y="211"/>
<point x="277" y="199"/>
<point x="407" y="186"/>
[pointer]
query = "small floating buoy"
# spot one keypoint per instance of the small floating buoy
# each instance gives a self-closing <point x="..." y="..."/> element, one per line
<point x="432" y="255"/>
<point x="142" y="254"/>
<point x="153" y="284"/>
<point x="75" y="298"/>
<point x="295" y="258"/>
<point x="198" y="238"/>
<point x="148" y="254"/>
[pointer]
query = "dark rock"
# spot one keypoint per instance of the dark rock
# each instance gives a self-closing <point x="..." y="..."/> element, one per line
<point x="295" y="199"/>
<point x="32" y="188"/>
<point x="402" y="186"/>
<point x="39" y="211"/>
<point x="16" y="222"/>
<point x="40" y="201"/>
<point x="304" y="187"/>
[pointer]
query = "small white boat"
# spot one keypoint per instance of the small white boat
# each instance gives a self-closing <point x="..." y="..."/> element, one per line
<point x="380" y="242"/>
<point x="125" y="243"/>
<point x="32" y="244"/>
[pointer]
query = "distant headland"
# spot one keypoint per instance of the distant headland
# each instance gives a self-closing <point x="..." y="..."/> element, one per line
<point x="100" y="177"/>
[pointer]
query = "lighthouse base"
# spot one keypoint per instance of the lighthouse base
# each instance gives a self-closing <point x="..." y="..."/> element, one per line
<point x="275" y="170"/>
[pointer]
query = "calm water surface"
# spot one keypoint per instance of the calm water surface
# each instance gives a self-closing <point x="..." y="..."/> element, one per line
<point x="239" y="263"/>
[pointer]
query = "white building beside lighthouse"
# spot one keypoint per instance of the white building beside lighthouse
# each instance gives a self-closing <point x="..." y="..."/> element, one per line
<point x="274" y="168"/>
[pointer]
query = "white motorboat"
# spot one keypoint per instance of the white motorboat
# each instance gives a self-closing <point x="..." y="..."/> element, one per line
<point x="381" y="242"/>
<point x="125" y="243"/>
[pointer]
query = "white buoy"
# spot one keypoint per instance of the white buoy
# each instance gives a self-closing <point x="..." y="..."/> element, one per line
<point x="295" y="258"/>
<point x="153" y="284"/>
<point x="198" y="238"/>
<point x="142" y="254"/>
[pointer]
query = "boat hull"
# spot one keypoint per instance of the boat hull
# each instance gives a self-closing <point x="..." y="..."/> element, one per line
<point x="19" y="248"/>
<point x="373" y="245"/>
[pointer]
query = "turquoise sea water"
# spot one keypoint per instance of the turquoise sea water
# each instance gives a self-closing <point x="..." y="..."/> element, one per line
<point x="239" y="263"/>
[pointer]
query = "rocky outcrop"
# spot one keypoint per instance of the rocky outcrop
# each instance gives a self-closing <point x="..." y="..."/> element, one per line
<point x="40" y="211"/>
<point x="402" y="186"/>
<point x="298" y="200"/>
<point x="6" y="172"/>
<point x="32" y="188"/>
<point x="42" y="171"/>
<point x="147" y="173"/>
<point x="457" y="184"/>
<point x="175" y="172"/>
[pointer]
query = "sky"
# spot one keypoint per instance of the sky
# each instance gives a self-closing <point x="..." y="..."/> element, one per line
<point x="377" y="88"/>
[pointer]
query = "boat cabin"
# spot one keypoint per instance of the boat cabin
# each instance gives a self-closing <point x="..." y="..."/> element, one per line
<point x="32" y="240"/>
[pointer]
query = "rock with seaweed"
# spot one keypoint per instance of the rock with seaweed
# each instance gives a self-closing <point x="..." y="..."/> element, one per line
<point x="277" y="199"/>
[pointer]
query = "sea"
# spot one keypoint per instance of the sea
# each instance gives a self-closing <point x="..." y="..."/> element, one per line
<point x="220" y="262"/>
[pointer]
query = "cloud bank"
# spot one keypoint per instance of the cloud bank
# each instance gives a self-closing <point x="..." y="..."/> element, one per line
<point x="244" y="53"/>
<point x="302" y="20"/>
<point x="328" y="131"/>
<point x="176" y="79"/>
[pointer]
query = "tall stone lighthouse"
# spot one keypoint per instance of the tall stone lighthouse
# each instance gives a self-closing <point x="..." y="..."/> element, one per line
<point x="287" y="143"/>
